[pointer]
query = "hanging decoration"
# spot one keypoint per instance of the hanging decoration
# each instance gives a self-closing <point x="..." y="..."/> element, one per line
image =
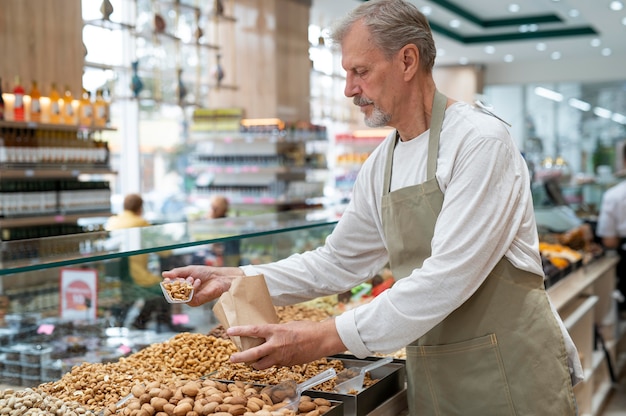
<point x="181" y="90"/>
<point x="106" y="8"/>
<point x="136" y="82"/>
<point x="218" y="71"/>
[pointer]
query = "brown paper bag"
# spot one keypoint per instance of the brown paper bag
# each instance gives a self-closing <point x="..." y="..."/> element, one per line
<point x="247" y="302"/>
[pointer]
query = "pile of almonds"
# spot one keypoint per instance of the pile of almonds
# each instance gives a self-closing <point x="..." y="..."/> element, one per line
<point x="210" y="397"/>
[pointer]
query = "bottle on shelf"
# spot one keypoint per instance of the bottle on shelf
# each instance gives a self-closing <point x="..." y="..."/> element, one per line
<point x="1" y="102"/>
<point x="100" y="109"/>
<point x="55" y="105"/>
<point x="68" y="109"/>
<point x="18" y="104"/>
<point x="86" y="109"/>
<point x="35" y="103"/>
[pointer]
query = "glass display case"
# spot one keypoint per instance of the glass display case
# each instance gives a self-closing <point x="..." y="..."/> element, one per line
<point x="61" y="296"/>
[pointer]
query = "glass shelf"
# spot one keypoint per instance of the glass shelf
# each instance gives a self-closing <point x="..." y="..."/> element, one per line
<point x="61" y="251"/>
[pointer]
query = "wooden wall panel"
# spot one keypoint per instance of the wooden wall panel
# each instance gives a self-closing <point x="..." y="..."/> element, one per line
<point x="41" y="40"/>
<point x="266" y="59"/>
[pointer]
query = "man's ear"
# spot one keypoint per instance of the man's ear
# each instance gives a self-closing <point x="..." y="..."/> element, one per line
<point x="409" y="57"/>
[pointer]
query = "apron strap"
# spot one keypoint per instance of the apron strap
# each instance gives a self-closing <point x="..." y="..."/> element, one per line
<point x="436" y="121"/>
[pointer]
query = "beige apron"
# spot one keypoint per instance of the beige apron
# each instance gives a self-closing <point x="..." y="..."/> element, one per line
<point x="501" y="352"/>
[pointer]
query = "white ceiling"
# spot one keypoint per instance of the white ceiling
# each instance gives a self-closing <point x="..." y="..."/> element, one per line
<point x="590" y="53"/>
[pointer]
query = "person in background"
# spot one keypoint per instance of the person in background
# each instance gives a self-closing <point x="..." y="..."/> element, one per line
<point x="445" y="199"/>
<point x="154" y="304"/>
<point x="611" y="228"/>
<point x="227" y="252"/>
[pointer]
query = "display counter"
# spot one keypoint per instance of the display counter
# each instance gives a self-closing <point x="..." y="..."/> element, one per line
<point x="585" y="300"/>
<point x="35" y="296"/>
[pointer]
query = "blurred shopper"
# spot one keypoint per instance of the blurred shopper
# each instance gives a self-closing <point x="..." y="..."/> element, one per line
<point x="611" y="228"/>
<point x="154" y="303"/>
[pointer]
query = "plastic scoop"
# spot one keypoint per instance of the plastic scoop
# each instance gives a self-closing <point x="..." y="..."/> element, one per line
<point x="177" y="290"/>
<point x="351" y="379"/>
<point x="290" y="393"/>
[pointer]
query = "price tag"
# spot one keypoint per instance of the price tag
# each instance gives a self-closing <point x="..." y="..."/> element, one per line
<point x="124" y="349"/>
<point x="180" y="319"/>
<point x="46" y="329"/>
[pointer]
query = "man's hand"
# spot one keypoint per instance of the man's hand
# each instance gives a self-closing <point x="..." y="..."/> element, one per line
<point x="208" y="282"/>
<point x="288" y="344"/>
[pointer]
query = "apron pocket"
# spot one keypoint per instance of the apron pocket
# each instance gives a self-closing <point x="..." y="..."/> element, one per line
<point x="465" y="378"/>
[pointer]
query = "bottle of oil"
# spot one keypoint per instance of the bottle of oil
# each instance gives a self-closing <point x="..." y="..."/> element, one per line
<point x="18" y="104"/>
<point x="68" y="110"/>
<point x="86" y="109"/>
<point x="55" y="105"/>
<point x="100" y="109"/>
<point x="1" y="102"/>
<point x="35" y="103"/>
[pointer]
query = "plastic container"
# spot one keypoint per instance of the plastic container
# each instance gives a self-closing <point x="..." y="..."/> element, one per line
<point x="177" y="290"/>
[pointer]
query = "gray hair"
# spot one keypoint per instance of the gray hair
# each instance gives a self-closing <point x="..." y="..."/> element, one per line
<point x="392" y="24"/>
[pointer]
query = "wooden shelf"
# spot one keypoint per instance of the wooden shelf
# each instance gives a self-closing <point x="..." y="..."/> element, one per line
<point x="53" y="172"/>
<point x="50" y="219"/>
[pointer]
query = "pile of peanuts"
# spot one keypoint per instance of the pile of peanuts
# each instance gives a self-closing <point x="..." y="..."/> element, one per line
<point x="210" y="397"/>
<point x="29" y="402"/>
<point x="179" y="290"/>
<point x="185" y="356"/>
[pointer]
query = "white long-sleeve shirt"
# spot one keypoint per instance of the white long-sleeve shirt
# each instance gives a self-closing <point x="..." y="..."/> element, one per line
<point x="487" y="213"/>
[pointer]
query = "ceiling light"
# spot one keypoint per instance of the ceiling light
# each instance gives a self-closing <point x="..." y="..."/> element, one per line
<point x="602" y="112"/>
<point x="441" y="52"/>
<point x="514" y="8"/>
<point x="619" y="118"/>
<point x="574" y="13"/>
<point x="616" y="6"/>
<point x="624" y="21"/>
<point x="579" y="104"/>
<point x="463" y="60"/>
<point x="549" y="94"/>
<point x="490" y="50"/>
<point x="606" y="52"/>
<point x="541" y="46"/>
<point x="555" y="55"/>
<point x="595" y="42"/>
<point x="455" y="23"/>
<point x="508" y="58"/>
<point x="426" y="10"/>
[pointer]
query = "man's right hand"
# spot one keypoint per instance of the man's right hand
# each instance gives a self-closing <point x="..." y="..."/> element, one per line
<point x="209" y="282"/>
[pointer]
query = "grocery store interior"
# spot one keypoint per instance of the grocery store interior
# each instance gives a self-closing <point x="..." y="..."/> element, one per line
<point x="183" y="101"/>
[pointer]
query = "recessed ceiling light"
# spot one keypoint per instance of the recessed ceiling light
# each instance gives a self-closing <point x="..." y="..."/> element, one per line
<point x="455" y="23"/>
<point x="574" y="13"/>
<point x="555" y="55"/>
<point x="541" y="46"/>
<point x="619" y="118"/>
<point x="463" y="60"/>
<point x="595" y="42"/>
<point x="602" y="112"/>
<point x="426" y="10"/>
<point x="606" y="52"/>
<point x="549" y="94"/>
<point x="616" y="5"/>
<point x="508" y="58"/>
<point x="624" y="21"/>
<point x="441" y="52"/>
<point x="514" y="8"/>
<point x="490" y="50"/>
<point x="579" y="104"/>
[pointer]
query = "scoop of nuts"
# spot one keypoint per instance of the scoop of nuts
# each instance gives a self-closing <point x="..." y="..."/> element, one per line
<point x="177" y="290"/>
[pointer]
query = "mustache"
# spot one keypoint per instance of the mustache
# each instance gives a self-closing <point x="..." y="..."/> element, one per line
<point x="360" y="100"/>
